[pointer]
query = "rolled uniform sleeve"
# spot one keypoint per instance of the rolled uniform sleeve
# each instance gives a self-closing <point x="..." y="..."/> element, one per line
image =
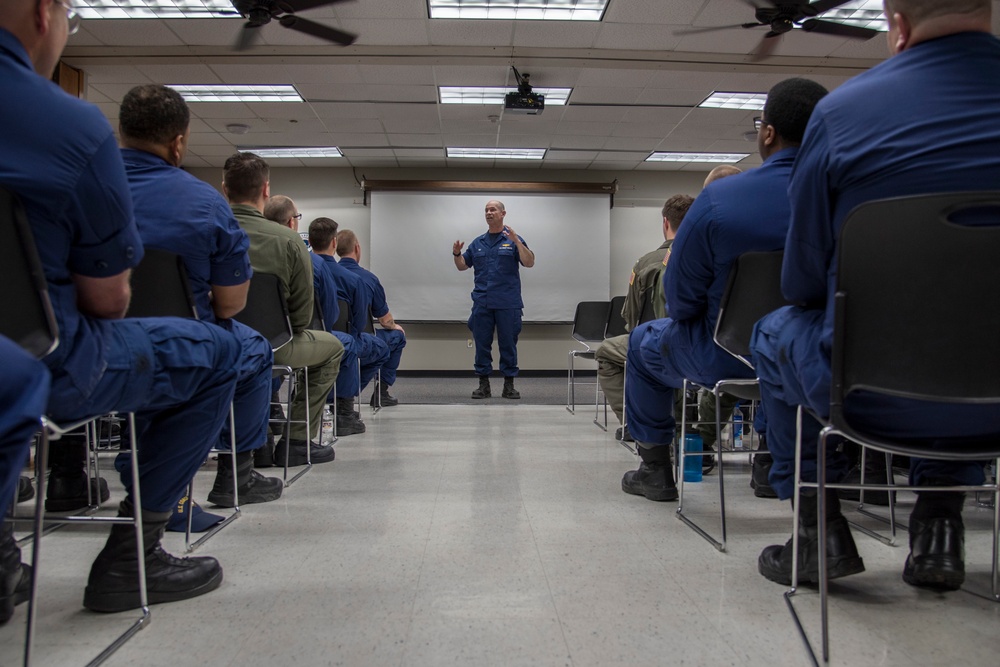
<point x="230" y="259"/>
<point x="689" y="274"/>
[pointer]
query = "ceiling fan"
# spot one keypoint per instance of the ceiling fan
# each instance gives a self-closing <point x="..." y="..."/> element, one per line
<point x="780" y="16"/>
<point x="260" y="12"/>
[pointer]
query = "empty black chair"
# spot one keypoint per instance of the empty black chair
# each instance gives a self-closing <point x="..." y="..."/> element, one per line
<point x="589" y="324"/>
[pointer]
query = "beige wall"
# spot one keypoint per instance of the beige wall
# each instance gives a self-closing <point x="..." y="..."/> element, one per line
<point x="635" y="230"/>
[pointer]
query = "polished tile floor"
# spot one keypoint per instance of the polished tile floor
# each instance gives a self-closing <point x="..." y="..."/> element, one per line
<point x="497" y="534"/>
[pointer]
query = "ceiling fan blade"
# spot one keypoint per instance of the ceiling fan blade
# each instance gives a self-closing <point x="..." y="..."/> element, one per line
<point x="694" y="31"/>
<point x="317" y="30"/>
<point x="765" y="47"/>
<point x="293" y="6"/>
<point x="838" y="29"/>
<point x="248" y="35"/>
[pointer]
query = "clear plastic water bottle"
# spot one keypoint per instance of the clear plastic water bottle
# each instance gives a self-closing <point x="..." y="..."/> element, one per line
<point x="692" y="464"/>
<point x="327" y="425"/>
<point x="737" y="429"/>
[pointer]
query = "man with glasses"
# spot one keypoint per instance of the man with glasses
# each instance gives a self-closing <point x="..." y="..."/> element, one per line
<point x="738" y="214"/>
<point x="59" y="155"/>
<point x="926" y="120"/>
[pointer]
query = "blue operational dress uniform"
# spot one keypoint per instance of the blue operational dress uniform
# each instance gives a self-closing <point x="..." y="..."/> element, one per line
<point x="496" y="301"/>
<point x="24" y="391"/>
<point x="177" y="212"/>
<point x="367" y="348"/>
<point x="326" y="293"/>
<point x="394" y="339"/>
<point x="60" y="156"/>
<point x="926" y="120"/>
<point x="738" y="214"/>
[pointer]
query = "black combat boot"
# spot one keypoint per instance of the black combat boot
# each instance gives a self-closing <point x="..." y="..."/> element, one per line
<point x="655" y="477"/>
<point x="15" y="576"/>
<point x="775" y="562"/>
<point x="937" y="541"/>
<point x="114" y="581"/>
<point x="25" y="490"/>
<point x="381" y="397"/>
<point x="762" y="462"/>
<point x="67" y="487"/>
<point x="484" y="388"/>
<point x="253" y="487"/>
<point x="508" y="389"/>
<point x="348" y="423"/>
<point x="263" y="456"/>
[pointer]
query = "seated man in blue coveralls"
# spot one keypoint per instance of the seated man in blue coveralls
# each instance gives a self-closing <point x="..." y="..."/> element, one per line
<point x="349" y="251"/>
<point x="24" y="391"/>
<point x="495" y="258"/>
<point x="177" y="212"/>
<point x="734" y="215"/>
<point x="59" y="154"/>
<point x="328" y="288"/>
<point x="926" y="120"/>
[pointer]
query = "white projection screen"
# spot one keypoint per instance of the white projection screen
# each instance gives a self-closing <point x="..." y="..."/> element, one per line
<point x="412" y="234"/>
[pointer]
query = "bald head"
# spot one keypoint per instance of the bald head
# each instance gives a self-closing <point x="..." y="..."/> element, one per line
<point x="42" y="27"/>
<point x="721" y="171"/>
<point x="914" y="21"/>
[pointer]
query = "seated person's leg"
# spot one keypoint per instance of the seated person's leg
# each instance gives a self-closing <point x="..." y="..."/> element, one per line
<point x="24" y="391"/>
<point x="321" y="353"/>
<point x="649" y="401"/>
<point x="396" y="341"/>
<point x="250" y="411"/>
<point x="610" y="357"/>
<point x="348" y="421"/>
<point x="377" y="355"/>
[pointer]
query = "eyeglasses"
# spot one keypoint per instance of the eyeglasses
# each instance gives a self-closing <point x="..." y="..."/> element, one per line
<point x="72" y="16"/>
<point x="758" y="123"/>
<point x="297" y="216"/>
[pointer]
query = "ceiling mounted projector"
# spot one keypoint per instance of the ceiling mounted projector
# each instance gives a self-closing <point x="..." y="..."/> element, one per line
<point x="523" y="101"/>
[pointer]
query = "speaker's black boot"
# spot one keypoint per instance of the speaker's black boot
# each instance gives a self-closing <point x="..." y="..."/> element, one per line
<point x="114" y="581"/>
<point x="15" y="576"/>
<point x="67" y="487"/>
<point x="508" y="389"/>
<point x="253" y="487"/>
<point x="761" y="468"/>
<point x="655" y="477"/>
<point x="775" y="562"/>
<point x="348" y="422"/>
<point x="937" y="542"/>
<point x="484" y="388"/>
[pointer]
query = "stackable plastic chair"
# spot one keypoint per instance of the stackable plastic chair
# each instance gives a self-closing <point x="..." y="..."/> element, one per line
<point x="589" y="323"/>
<point x="753" y="290"/>
<point x="910" y="322"/>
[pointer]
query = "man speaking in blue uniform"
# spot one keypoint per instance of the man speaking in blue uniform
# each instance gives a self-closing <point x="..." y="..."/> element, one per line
<point x="737" y="214"/>
<point x="60" y="156"/>
<point x="926" y="120"/>
<point x="495" y="258"/>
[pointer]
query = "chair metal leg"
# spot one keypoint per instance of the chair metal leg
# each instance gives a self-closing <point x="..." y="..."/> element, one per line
<point x="597" y="406"/>
<point x="377" y="395"/>
<point x="308" y="466"/>
<point x="570" y="387"/>
<point x="191" y="546"/>
<point x="720" y="545"/>
<point x="634" y="450"/>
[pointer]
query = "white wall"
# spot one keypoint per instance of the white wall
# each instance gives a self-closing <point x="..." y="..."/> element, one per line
<point x="635" y="230"/>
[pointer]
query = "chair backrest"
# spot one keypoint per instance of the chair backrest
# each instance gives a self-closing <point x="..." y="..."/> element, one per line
<point x="616" y="323"/>
<point x="914" y="315"/>
<point x="266" y="311"/>
<point x="343" y="317"/>
<point x="318" y="322"/>
<point x="26" y="315"/>
<point x="753" y="291"/>
<point x="370" y="327"/>
<point x="160" y="287"/>
<point x="590" y="321"/>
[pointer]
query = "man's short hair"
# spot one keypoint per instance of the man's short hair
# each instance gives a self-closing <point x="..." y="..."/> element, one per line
<point x="721" y="171"/>
<point x="279" y="208"/>
<point x="498" y="203"/>
<point x="244" y="176"/>
<point x="675" y="209"/>
<point x="789" y="105"/>
<point x="346" y="242"/>
<point x="322" y="231"/>
<point x="920" y="10"/>
<point x="153" y="114"/>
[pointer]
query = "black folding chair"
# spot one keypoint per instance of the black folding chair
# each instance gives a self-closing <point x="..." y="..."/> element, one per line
<point x="910" y="322"/>
<point x="589" y="323"/>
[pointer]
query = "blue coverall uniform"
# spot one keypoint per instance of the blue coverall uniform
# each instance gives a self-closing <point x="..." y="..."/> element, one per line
<point x="24" y="391"/>
<point x="177" y="212"/>
<point x="394" y="339"/>
<point x="496" y="301"/>
<point x="59" y="154"/>
<point x="926" y="120"/>
<point x="738" y="214"/>
<point x="363" y="346"/>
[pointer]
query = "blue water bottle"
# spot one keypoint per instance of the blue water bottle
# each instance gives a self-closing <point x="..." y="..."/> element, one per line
<point x="692" y="464"/>
<point x="737" y="429"/>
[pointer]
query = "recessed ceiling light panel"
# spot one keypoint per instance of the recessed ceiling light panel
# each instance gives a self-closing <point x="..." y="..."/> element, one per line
<point x="717" y="158"/>
<point x="498" y="153"/>
<point x="495" y="94"/>
<point x="274" y="153"/>
<point x="153" y="9"/>
<point x="518" y="10"/>
<point x="861" y="13"/>
<point x="248" y="93"/>
<point x="744" y="101"/>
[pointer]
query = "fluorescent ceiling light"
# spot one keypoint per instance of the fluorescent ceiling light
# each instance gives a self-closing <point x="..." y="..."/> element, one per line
<point x="498" y="153"/>
<point x="529" y="10"/>
<point x="861" y="13"/>
<point x="495" y="94"/>
<point x="150" y="9"/>
<point x="718" y="158"/>
<point x="294" y="151"/>
<point x="225" y="93"/>
<point x="744" y="101"/>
